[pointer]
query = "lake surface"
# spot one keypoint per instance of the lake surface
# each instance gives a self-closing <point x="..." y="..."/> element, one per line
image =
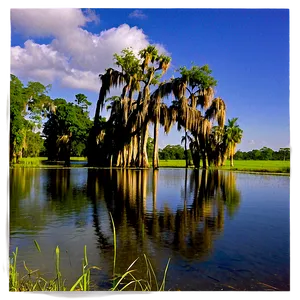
<point x="222" y="230"/>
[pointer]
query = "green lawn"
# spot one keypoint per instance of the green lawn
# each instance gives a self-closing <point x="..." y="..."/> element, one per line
<point x="271" y="166"/>
<point x="37" y="161"/>
<point x="276" y="166"/>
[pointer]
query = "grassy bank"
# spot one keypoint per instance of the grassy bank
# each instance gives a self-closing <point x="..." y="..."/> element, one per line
<point x="267" y="166"/>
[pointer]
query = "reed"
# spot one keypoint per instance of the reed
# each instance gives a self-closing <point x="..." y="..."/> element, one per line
<point x="33" y="281"/>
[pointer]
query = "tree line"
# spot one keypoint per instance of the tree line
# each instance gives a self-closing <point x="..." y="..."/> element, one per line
<point x="122" y="140"/>
<point x="177" y="152"/>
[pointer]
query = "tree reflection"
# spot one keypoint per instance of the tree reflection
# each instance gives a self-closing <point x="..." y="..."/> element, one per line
<point x="41" y="196"/>
<point x="143" y="228"/>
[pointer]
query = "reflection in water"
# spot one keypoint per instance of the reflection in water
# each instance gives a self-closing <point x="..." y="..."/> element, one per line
<point x="188" y="230"/>
<point x="177" y="214"/>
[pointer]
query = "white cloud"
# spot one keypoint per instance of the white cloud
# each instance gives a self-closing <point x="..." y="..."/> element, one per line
<point x="138" y="14"/>
<point x="75" y="57"/>
<point x="251" y="142"/>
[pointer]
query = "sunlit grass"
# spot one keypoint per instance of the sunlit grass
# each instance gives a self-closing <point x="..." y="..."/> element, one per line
<point x="32" y="280"/>
<point x="276" y="166"/>
<point x="270" y="166"/>
<point x="42" y="162"/>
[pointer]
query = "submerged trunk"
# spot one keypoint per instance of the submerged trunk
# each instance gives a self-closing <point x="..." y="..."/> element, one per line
<point x="155" y="149"/>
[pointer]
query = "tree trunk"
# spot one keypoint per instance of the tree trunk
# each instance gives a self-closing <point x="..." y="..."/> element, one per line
<point x="231" y="160"/>
<point x="119" y="159"/>
<point x="139" y="151"/>
<point x="100" y="100"/>
<point x="144" y="156"/>
<point x="185" y="150"/>
<point x="224" y="160"/>
<point x="92" y="147"/>
<point x="155" y="149"/>
<point x="129" y="155"/>
<point x="134" y="151"/>
<point x="124" y="156"/>
<point x="204" y="164"/>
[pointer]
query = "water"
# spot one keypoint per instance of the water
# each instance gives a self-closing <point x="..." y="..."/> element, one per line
<point x="222" y="230"/>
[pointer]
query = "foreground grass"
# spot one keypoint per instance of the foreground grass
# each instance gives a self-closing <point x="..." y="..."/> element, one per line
<point x="33" y="281"/>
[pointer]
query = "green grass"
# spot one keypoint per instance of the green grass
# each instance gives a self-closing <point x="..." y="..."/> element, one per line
<point x="268" y="166"/>
<point x="41" y="162"/>
<point x="32" y="280"/>
<point x="273" y="166"/>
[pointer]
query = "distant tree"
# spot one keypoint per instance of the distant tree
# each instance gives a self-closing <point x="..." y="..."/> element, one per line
<point x="67" y="128"/>
<point x="233" y="136"/>
<point x="150" y="146"/>
<point x="34" y="144"/>
<point x="172" y="152"/>
<point x="239" y="155"/>
<point x="266" y="153"/>
<point x="285" y="153"/>
<point x="28" y="106"/>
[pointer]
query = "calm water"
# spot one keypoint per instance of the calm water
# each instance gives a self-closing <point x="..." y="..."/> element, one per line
<point x="219" y="228"/>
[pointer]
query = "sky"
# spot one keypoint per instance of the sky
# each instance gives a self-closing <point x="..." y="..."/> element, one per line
<point x="247" y="50"/>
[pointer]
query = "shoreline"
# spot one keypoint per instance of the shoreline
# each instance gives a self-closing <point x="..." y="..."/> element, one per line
<point x="262" y="172"/>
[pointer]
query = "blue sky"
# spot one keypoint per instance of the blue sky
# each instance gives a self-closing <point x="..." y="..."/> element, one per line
<point x="247" y="49"/>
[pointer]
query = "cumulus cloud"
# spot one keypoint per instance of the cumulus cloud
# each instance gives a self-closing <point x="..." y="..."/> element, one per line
<point x="138" y="14"/>
<point x="75" y="56"/>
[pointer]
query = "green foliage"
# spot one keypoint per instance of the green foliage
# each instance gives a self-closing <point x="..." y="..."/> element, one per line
<point x="28" y="106"/>
<point x="264" y="153"/>
<point x="34" y="144"/>
<point x="172" y="152"/>
<point x="128" y="62"/>
<point x="198" y="76"/>
<point x="70" y="120"/>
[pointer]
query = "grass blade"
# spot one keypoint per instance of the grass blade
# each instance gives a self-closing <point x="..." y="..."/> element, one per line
<point x="162" y="287"/>
<point x="128" y="284"/>
<point x="120" y="280"/>
<point x="115" y="245"/>
<point x="76" y="283"/>
<point x="37" y="246"/>
<point x="132" y="264"/>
